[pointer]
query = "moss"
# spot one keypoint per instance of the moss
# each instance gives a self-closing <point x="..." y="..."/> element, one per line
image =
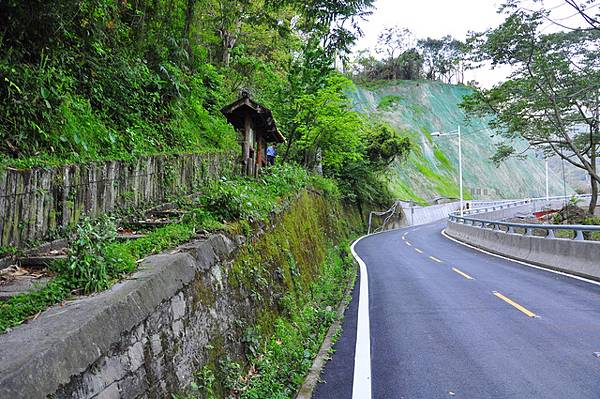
<point x="203" y="294"/>
<point x="286" y="260"/>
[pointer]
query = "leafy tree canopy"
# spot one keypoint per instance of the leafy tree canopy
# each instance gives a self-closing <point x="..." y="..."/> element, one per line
<point x="551" y="99"/>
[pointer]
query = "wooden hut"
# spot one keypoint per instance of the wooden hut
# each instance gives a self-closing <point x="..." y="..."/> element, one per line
<point x="256" y="129"/>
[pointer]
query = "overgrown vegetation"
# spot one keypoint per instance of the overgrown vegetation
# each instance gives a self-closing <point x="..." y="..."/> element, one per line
<point x="96" y="260"/>
<point x="279" y="360"/>
<point x="99" y="79"/>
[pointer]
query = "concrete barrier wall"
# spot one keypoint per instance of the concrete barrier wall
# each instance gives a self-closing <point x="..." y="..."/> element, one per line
<point x="417" y="215"/>
<point x="423" y="215"/>
<point x="576" y="257"/>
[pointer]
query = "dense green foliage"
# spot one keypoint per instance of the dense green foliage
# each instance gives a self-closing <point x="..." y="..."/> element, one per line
<point x="352" y="148"/>
<point x="551" y="97"/>
<point x="241" y="198"/>
<point x="93" y="79"/>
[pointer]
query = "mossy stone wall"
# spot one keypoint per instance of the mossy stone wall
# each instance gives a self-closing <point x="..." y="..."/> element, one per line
<point x="183" y="311"/>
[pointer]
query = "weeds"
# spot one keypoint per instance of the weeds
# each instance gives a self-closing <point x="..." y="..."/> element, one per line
<point x="96" y="260"/>
<point x="91" y="264"/>
<point x="278" y="363"/>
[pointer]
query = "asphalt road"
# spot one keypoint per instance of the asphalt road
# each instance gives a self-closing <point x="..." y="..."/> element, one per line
<point x="447" y="321"/>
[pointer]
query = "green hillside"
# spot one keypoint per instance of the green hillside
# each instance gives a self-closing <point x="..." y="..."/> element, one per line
<point x="418" y="108"/>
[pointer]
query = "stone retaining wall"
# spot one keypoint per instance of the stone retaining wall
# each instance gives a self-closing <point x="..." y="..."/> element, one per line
<point x="141" y="339"/>
<point x="147" y="335"/>
<point x="36" y="202"/>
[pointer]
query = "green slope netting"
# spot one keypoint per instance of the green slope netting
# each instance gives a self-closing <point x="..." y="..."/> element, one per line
<point x="419" y="108"/>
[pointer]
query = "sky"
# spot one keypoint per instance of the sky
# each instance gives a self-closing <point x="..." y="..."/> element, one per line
<point x="437" y="18"/>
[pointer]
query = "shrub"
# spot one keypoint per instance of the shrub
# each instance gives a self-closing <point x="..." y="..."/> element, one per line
<point x="91" y="263"/>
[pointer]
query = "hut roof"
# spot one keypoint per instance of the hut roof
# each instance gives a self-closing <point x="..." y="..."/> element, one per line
<point x="261" y="117"/>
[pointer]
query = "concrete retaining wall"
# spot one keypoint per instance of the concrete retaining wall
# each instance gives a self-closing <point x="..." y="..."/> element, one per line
<point x="36" y="202"/>
<point x="417" y="215"/>
<point x="577" y="257"/>
<point x="412" y="216"/>
<point x="422" y="215"/>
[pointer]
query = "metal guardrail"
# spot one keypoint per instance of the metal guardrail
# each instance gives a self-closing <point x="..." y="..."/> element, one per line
<point x="391" y="211"/>
<point x="528" y="228"/>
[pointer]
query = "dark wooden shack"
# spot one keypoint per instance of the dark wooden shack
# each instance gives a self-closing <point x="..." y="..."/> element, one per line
<point x="256" y="129"/>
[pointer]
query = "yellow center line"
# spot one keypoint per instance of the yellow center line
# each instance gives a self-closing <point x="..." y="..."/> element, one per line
<point x="465" y="275"/>
<point x="513" y="303"/>
<point x="433" y="258"/>
<point x="408" y="243"/>
<point x="418" y="250"/>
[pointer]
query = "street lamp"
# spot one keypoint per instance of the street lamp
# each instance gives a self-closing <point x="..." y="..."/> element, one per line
<point x="460" y="169"/>
<point x="547" y="185"/>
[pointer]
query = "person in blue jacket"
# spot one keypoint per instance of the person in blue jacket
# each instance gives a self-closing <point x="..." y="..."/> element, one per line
<point x="271" y="154"/>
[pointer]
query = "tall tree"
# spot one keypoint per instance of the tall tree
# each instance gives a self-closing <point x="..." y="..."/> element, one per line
<point x="443" y="58"/>
<point x="551" y="99"/>
<point x="391" y="43"/>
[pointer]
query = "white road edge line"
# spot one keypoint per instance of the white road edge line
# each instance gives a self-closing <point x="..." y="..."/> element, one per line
<point x="520" y="261"/>
<point x="361" y="384"/>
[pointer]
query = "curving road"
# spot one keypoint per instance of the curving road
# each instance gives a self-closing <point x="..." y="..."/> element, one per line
<point x="447" y="321"/>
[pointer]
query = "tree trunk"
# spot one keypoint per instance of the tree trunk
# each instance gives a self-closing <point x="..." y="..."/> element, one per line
<point x="187" y="41"/>
<point x="594" y="199"/>
<point x="593" y="181"/>
<point x="189" y="16"/>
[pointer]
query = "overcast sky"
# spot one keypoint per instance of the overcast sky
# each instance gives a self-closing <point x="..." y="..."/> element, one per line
<point x="437" y="18"/>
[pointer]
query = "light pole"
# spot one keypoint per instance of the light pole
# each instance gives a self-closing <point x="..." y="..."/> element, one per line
<point x="460" y="169"/>
<point x="547" y="185"/>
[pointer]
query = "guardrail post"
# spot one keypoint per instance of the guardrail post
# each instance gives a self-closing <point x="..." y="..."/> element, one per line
<point x="579" y="235"/>
<point x="510" y="230"/>
<point x="529" y="231"/>
<point x="550" y="233"/>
